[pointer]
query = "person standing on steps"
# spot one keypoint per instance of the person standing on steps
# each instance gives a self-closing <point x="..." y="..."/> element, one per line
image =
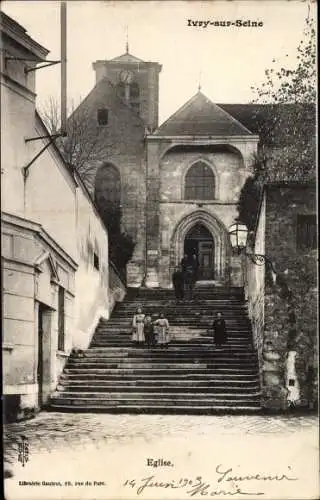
<point x="178" y="284"/>
<point x="138" y="327"/>
<point x="162" y="327"/>
<point x="149" y="332"/>
<point x="187" y="271"/>
<point x="195" y="268"/>
<point x="219" y="330"/>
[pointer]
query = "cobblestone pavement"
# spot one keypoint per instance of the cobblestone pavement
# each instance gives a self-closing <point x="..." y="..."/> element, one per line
<point x="93" y="446"/>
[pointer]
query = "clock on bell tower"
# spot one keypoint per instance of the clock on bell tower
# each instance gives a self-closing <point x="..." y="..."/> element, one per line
<point x="136" y="82"/>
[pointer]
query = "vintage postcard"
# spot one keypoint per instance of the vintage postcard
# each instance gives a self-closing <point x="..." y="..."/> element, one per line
<point x="159" y="249"/>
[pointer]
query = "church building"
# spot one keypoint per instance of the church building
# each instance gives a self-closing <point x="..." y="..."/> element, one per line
<point x="177" y="184"/>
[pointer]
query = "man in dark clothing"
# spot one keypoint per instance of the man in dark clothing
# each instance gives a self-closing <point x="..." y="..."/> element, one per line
<point x="195" y="267"/>
<point x="219" y="330"/>
<point x="178" y="284"/>
<point x="184" y="263"/>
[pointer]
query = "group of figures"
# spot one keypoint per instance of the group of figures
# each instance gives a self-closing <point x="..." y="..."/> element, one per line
<point x="185" y="276"/>
<point x="150" y="333"/>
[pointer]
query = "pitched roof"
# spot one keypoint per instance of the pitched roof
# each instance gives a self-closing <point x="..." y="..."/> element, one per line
<point x="259" y="118"/>
<point x="19" y="34"/>
<point x="126" y="58"/>
<point x="200" y="116"/>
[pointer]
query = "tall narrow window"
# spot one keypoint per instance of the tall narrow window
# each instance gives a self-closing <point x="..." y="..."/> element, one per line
<point x="134" y="91"/>
<point x="307" y="232"/>
<point x="121" y="90"/>
<point x="61" y="319"/>
<point x="130" y="92"/>
<point x="108" y="185"/>
<point x="199" y="183"/>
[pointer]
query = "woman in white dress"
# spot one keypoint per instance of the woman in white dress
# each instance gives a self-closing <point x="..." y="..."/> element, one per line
<point x="138" y="327"/>
<point x="162" y="331"/>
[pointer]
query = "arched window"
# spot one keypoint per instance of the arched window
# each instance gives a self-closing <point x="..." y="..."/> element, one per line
<point x="108" y="185"/>
<point x="199" y="182"/>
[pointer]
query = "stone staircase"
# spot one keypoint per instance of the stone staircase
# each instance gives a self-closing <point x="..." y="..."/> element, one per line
<point x="191" y="376"/>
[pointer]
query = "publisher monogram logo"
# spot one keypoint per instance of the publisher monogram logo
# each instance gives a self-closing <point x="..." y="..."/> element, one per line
<point x="23" y="450"/>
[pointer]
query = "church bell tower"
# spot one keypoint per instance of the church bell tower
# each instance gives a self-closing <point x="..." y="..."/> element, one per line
<point x="136" y="82"/>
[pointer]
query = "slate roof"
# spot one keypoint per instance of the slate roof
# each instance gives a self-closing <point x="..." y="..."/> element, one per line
<point x="200" y="116"/>
<point x="126" y="58"/>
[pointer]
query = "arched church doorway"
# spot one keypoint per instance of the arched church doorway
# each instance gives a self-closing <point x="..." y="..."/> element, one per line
<point x="199" y="241"/>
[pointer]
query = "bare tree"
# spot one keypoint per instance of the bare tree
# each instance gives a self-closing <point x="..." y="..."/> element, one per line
<point x="84" y="145"/>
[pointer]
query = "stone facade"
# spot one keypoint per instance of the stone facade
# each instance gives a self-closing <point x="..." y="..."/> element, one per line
<point x="153" y="163"/>
<point x="171" y="215"/>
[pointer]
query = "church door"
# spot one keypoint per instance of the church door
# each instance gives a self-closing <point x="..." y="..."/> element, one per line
<point x="206" y="260"/>
<point x="199" y="241"/>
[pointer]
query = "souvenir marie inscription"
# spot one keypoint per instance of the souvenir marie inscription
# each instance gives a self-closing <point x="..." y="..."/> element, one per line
<point x="226" y="481"/>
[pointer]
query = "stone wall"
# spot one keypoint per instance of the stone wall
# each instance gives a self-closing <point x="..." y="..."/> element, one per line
<point x="254" y="284"/>
<point x="290" y="301"/>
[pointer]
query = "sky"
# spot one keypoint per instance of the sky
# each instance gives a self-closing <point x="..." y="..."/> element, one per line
<point x="225" y="61"/>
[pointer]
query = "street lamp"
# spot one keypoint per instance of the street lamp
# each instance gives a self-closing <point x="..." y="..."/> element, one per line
<point x="238" y="233"/>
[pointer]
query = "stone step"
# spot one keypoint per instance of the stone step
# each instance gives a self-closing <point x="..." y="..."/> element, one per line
<point x="161" y="361"/>
<point x="174" y="350"/>
<point x="162" y="378"/>
<point x="154" y="403"/>
<point x="163" y="366"/>
<point x="120" y="354"/>
<point x="174" y="384"/>
<point x="161" y="371"/>
<point x="154" y="388"/>
<point x="251" y="395"/>
<point x="241" y="320"/>
<point x="220" y="409"/>
<point x="244" y="343"/>
<point x="199" y="336"/>
<point x="239" y="310"/>
<point x="229" y="348"/>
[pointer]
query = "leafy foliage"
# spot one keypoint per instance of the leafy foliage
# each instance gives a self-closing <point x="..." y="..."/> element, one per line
<point x="285" y="120"/>
<point x="287" y="133"/>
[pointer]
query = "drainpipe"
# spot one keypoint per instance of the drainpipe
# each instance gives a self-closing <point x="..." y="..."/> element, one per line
<point x="143" y="283"/>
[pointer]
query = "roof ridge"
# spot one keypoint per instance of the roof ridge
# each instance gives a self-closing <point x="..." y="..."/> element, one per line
<point x="234" y="119"/>
<point x="200" y="105"/>
<point x="128" y="55"/>
<point x="178" y="111"/>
